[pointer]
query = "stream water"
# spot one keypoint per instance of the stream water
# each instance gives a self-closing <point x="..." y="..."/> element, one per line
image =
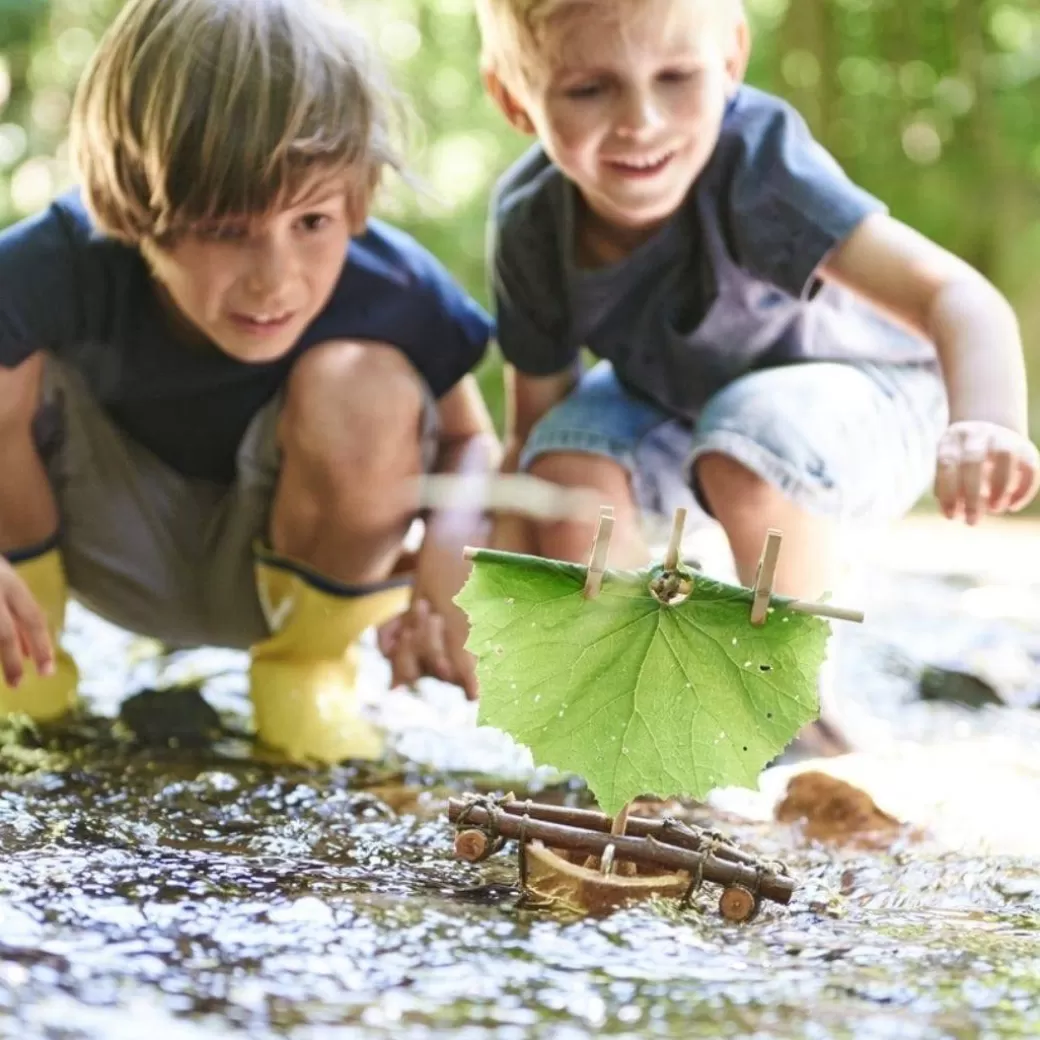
<point x="200" y="891"/>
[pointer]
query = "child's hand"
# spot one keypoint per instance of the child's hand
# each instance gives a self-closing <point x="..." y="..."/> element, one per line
<point x="426" y="642"/>
<point x="983" y="466"/>
<point x="23" y="629"/>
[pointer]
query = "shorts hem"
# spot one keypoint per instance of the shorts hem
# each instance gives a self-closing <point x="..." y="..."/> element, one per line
<point x="579" y="443"/>
<point x="791" y="482"/>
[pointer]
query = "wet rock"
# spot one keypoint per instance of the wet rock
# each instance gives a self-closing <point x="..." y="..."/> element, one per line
<point x="956" y="687"/>
<point x="175" y="717"/>
<point x="833" y="811"/>
<point x="1025" y="888"/>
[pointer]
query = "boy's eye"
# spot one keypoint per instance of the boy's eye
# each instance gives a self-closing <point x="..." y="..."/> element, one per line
<point x="315" y="221"/>
<point x="676" y="76"/>
<point x="581" y="91"/>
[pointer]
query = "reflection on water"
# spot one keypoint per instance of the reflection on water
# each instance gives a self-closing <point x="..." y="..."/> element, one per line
<point x="205" y="893"/>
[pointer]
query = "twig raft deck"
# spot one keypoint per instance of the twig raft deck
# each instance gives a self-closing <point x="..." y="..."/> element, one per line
<point x="648" y="851"/>
<point x="666" y="830"/>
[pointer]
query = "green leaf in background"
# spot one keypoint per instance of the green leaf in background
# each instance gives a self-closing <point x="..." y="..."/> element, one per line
<point x="637" y="697"/>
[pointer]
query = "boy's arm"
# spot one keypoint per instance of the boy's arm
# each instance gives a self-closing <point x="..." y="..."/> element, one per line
<point x="430" y="640"/>
<point x="985" y="459"/>
<point x="527" y="399"/>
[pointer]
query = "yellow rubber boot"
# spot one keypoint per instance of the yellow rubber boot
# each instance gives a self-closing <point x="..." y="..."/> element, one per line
<point x="44" y="698"/>
<point x="303" y="677"/>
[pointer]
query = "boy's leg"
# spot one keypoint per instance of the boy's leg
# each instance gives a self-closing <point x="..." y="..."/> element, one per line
<point x="747" y="506"/>
<point x="28" y="511"/>
<point x="350" y="435"/>
<point x="28" y="531"/>
<point x="572" y="539"/>
<point x="599" y="438"/>
<point x="357" y="427"/>
<point x="809" y="449"/>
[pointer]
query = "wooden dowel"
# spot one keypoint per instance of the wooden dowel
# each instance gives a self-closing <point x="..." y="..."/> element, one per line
<point x="511" y="494"/>
<point x="671" y="558"/>
<point x="825" y="610"/>
<point x="647" y="851"/>
<point x="668" y="832"/>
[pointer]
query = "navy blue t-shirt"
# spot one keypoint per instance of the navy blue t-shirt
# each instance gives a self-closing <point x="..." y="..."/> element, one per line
<point x="91" y="302"/>
<point x="728" y="285"/>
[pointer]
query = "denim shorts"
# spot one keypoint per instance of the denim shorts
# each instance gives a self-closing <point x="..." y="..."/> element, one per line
<point x="855" y="442"/>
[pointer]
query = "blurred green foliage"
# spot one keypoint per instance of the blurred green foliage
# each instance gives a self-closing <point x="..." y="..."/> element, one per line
<point x="932" y="105"/>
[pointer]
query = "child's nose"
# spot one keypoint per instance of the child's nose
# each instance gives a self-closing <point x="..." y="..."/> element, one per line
<point x="268" y="268"/>
<point x="640" y="114"/>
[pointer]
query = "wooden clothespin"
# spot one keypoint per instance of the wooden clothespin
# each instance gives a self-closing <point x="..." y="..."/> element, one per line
<point x="600" y="549"/>
<point x="764" y="577"/>
<point x="671" y="558"/>
<point x="763" y="590"/>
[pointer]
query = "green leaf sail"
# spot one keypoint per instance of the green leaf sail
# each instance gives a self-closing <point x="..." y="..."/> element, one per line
<point x="635" y="696"/>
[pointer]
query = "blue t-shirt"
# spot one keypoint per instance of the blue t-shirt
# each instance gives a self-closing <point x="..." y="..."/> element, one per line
<point x="728" y="285"/>
<point x="91" y="302"/>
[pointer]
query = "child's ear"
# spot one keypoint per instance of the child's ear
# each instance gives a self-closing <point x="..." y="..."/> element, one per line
<point x="739" y="54"/>
<point x="357" y="212"/>
<point x="507" y="102"/>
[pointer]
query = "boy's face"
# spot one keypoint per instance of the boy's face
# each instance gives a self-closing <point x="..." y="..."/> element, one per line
<point x="252" y="285"/>
<point x="630" y="101"/>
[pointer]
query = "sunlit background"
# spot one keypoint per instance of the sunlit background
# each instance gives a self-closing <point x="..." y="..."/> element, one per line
<point x="933" y="105"/>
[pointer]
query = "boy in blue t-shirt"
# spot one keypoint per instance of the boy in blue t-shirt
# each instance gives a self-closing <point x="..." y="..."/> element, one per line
<point x="220" y="382"/>
<point x="775" y="348"/>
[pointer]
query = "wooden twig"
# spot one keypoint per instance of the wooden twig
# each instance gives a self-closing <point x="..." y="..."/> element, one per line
<point x="764" y="577"/>
<point x="825" y="610"/>
<point x="619" y="822"/>
<point x="669" y="832"/>
<point x="671" y="558"/>
<point x="472" y="845"/>
<point x="600" y="548"/>
<point x="646" y="851"/>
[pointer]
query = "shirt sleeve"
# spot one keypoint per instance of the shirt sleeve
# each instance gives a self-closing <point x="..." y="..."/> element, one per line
<point x="39" y="298"/>
<point x="463" y="330"/>
<point x="529" y="289"/>
<point x="789" y="202"/>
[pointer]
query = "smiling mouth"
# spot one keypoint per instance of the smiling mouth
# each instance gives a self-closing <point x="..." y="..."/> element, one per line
<point x="643" y="165"/>
<point x="263" y="322"/>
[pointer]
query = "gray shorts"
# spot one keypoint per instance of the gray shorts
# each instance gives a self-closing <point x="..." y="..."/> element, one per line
<point x="147" y="548"/>
<point x="853" y="442"/>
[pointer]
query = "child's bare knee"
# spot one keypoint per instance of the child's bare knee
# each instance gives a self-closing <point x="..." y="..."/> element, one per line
<point x="20" y="393"/>
<point x="354" y="407"/>
<point x="729" y="485"/>
<point x="579" y="469"/>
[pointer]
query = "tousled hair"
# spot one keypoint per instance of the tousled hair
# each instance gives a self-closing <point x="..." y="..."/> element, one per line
<point x="199" y="110"/>
<point x="512" y="31"/>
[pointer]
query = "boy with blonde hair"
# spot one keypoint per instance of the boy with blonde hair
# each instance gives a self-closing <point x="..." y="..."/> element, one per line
<point x="220" y="381"/>
<point x="775" y="348"/>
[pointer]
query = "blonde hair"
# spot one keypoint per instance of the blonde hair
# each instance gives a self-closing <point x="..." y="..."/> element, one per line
<point x="195" y="110"/>
<point x="512" y="32"/>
